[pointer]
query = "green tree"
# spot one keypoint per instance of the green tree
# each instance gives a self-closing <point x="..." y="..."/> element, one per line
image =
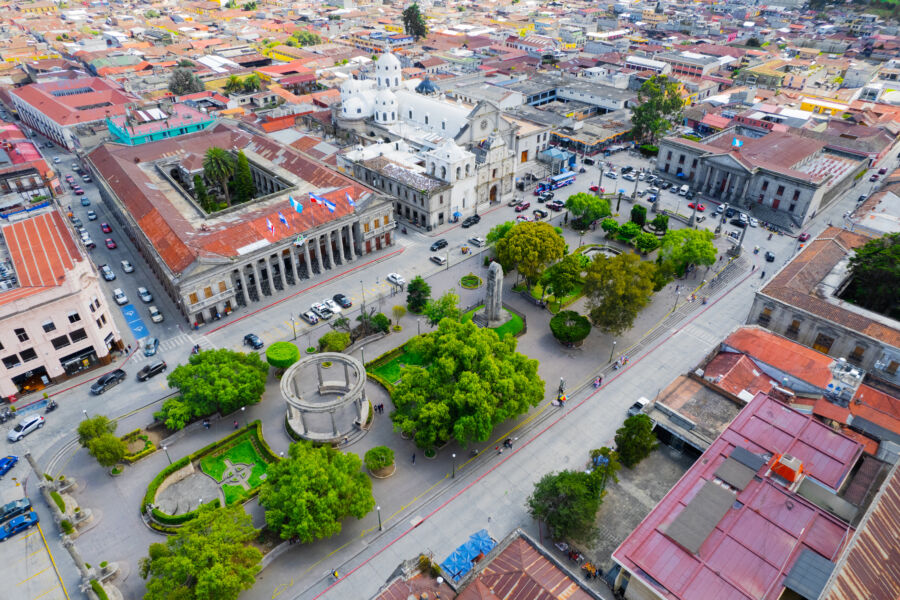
<point x="753" y="43"/>
<point x="562" y="277"/>
<point x="183" y="81"/>
<point x="530" y="247"/>
<point x="875" y="268"/>
<point x="471" y="381"/>
<point x="218" y="166"/>
<point x="646" y="242"/>
<point x="379" y="457"/>
<point x="252" y="83"/>
<point x="635" y="440"/>
<point x="94" y="427"/>
<point x="658" y="107"/>
<point x="617" y="289"/>
<point x="185" y="63"/>
<point x="151" y="14"/>
<point x="606" y="465"/>
<point x="610" y="226"/>
<point x="202" y="194"/>
<point x="567" y="503"/>
<point x="233" y="85"/>
<point x="308" y="494"/>
<point x="498" y="232"/>
<point x="208" y="558"/>
<point x="629" y="230"/>
<point x="418" y="293"/>
<point x="399" y="311"/>
<point x="414" y="22"/>
<point x="281" y="355"/>
<point x="639" y="214"/>
<point x="569" y="327"/>
<point x="444" y="307"/>
<point x="243" y="179"/>
<point x="660" y="223"/>
<point x="307" y="38"/>
<point x="213" y="381"/>
<point x="107" y="449"/>
<point x="684" y="247"/>
<point x="587" y="208"/>
<point x="334" y="341"/>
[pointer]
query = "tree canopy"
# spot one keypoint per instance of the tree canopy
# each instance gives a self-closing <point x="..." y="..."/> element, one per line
<point x="875" y="268"/>
<point x="588" y="208"/>
<point x="444" y="307"/>
<point x="244" y="188"/>
<point x="471" y="381"/>
<point x="281" y="355"/>
<point x="309" y="493"/>
<point x="233" y="84"/>
<point x="213" y="381"/>
<point x="418" y="293"/>
<point x="218" y="166"/>
<point x="617" y="289"/>
<point x="569" y="327"/>
<point x="96" y="434"/>
<point x="208" y="558"/>
<point x="498" y="232"/>
<point x="93" y="427"/>
<point x="183" y="81"/>
<point x="530" y="247"/>
<point x="306" y="38"/>
<point x="414" y="22"/>
<point x="635" y="439"/>
<point x="562" y="277"/>
<point x="683" y="247"/>
<point x="658" y="107"/>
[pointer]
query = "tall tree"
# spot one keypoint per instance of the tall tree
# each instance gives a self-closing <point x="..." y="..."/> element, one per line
<point x="202" y="194"/>
<point x="213" y="381"/>
<point x="208" y="558"/>
<point x="588" y="208"/>
<point x="414" y="22"/>
<point x="658" y="108"/>
<point x="684" y="247"/>
<point x="93" y="427"/>
<point x="498" y="232"/>
<point x="244" y="188"/>
<point x="308" y="494"/>
<point x="417" y="294"/>
<point x="107" y="449"/>
<point x="183" y="81"/>
<point x="218" y="166"/>
<point x="567" y="503"/>
<point x="876" y="275"/>
<point x="233" y="84"/>
<point x="617" y="289"/>
<point x="635" y="440"/>
<point x="307" y="38"/>
<point x="444" y="307"/>
<point x="252" y="83"/>
<point x="530" y="247"/>
<point x="562" y="277"/>
<point x="470" y="381"/>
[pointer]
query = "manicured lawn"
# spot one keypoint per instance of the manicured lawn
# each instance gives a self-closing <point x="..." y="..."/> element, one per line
<point x="242" y="452"/>
<point x="390" y="371"/>
<point x="513" y="326"/>
<point x="233" y="493"/>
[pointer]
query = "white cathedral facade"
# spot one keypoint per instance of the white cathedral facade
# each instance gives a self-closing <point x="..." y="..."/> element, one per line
<point x="440" y="159"/>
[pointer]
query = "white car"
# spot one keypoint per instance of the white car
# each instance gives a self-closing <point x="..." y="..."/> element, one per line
<point x="155" y="315"/>
<point x="127" y="267"/>
<point x="332" y="306"/>
<point x="628" y="177"/>
<point x="310" y="317"/>
<point x="120" y="297"/>
<point x="25" y="426"/>
<point x="321" y="310"/>
<point x="396" y="279"/>
<point x="145" y="295"/>
<point x="754" y="222"/>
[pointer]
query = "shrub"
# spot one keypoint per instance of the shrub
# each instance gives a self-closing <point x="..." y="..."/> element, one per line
<point x="610" y="226"/>
<point x="646" y="242"/>
<point x="378" y="458"/>
<point x="60" y="503"/>
<point x="334" y="341"/>
<point x="399" y="312"/>
<point x="103" y="564"/>
<point x="629" y="230"/>
<point x="66" y="526"/>
<point x="381" y="323"/>
<point x="639" y="214"/>
<point x="660" y="223"/>
<point x="570" y="327"/>
<point x="48" y="476"/>
<point x="649" y="150"/>
<point x="98" y="589"/>
<point x="281" y="355"/>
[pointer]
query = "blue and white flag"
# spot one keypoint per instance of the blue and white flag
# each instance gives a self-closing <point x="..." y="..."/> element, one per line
<point x="282" y="219"/>
<point x="270" y="227"/>
<point x="736" y="142"/>
<point x="295" y="204"/>
<point x="316" y="199"/>
<point x="329" y="205"/>
<point x="349" y="199"/>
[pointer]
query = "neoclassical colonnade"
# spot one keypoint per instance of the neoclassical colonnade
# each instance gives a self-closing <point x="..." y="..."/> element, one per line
<point x="722" y="183"/>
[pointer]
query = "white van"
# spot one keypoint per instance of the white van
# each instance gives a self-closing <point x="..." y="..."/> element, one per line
<point x="684" y="190"/>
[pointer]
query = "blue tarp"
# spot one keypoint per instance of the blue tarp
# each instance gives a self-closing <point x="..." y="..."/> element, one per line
<point x="486" y="544"/>
<point x="456" y="565"/>
<point x="460" y="561"/>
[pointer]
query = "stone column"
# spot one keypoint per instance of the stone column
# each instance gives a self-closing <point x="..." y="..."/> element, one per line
<point x="293" y="256"/>
<point x="308" y="260"/>
<point x="738" y="188"/>
<point x="302" y="422"/>
<point x="318" y="239"/>
<point x="281" y="270"/>
<point x="350" y="238"/>
<point x="329" y="249"/>
<point x="319" y="373"/>
<point x="244" y="289"/>
<point x="746" y="189"/>
<point x="258" y="277"/>
<point x="724" y="194"/>
<point x="339" y="240"/>
<point x="714" y="174"/>
<point x="705" y="184"/>
<point x="347" y="375"/>
<point x="333" y="423"/>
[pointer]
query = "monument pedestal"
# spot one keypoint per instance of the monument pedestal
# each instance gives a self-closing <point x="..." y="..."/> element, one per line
<point x="493" y="314"/>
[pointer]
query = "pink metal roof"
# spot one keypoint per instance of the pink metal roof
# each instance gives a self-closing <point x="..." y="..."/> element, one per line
<point x="752" y="548"/>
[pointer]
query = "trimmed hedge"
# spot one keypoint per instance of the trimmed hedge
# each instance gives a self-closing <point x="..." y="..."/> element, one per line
<point x="282" y="355"/>
<point x="167" y="519"/>
<point x="160" y="477"/>
<point x="60" y="503"/>
<point x="149" y="447"/>
<point x="98" y="589"/>
<point x="570" y="327"/>
<point x="378" y="458"/>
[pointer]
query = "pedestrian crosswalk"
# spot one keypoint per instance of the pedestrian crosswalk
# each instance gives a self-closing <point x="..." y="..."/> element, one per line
<point x="179" y="343"/>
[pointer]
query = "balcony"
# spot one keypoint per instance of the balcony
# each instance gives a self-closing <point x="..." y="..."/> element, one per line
<point x="214" y="299"/>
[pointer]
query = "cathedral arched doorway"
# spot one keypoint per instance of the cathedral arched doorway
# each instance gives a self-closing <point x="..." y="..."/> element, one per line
<point x="493" y="193"/>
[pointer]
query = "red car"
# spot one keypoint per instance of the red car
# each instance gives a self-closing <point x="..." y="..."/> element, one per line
<point x="78" y="191"/>
<point x="874" y="177"/>
<point x="803" y="237"/>
<point x="523" y="206"/>
<point x="700" y="207"/>
<point x="882" y="170"/>
<point x="595" y="188"/>
<point x="105" y="228"/>
<point x="111" y="244"/>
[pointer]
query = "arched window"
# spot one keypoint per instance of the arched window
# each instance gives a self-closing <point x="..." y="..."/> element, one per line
<point x="443" y="172"/>
<point x="467" y="169"/>
<point x="393" y="115"/>
<point x="426" y="119"/>
<point x="384" y="116"/>
<point x="396" y="82"/>
<point x="458" y="171"/>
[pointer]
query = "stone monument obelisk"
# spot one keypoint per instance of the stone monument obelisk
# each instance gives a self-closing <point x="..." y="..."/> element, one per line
<point x="493" y="314"/>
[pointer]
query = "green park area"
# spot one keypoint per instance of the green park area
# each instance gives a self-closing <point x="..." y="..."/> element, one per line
<point x="389" y="368"/>
<point x="241" y="453"/>
<point x="514" y="326"/>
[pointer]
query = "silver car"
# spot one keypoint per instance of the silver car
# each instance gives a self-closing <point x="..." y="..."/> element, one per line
<point x="25" y="426"/>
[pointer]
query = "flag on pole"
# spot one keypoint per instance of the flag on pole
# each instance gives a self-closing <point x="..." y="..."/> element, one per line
<point x="270" y="227"/>
<point x="349" y="199"/>
<point x="330" y="205"/>
<point x="316" y="199"/>
<point x="282" y="219"/>
<point x="736" y="142"/>
<point x="295" y="204"/>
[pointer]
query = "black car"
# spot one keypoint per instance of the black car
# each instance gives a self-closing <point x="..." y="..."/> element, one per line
<point x="252" y="340"/>
<point x="738" y="223"/>
<point x="729" y="213"/>
<point x="469" y="221"/>
<point x="627" y="169"/>
<point x="107" y="381"/>
<point x="540" y="214"/>
<point x="150" y="370"/>
<point x="545" y="197"/>
<point x="342" y="300"/>
<point x="556" y="205"/>
<point x="770" y="256"/>
<point x="437" y="245"/>
<point x="689" y="195"/>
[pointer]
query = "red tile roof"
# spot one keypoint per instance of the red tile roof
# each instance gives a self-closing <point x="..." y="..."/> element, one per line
<point x="42" y="252"/>
<point x="803" y="363"/>
<point x="878" y="407"/>
<point x="107" y="97"/>
<point x="750" y="550"/>
<point x="738" y="373"/>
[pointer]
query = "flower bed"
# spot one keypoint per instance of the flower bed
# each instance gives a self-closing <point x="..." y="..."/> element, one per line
<point x="471" y="281"/>
<point x="148" y="447"/>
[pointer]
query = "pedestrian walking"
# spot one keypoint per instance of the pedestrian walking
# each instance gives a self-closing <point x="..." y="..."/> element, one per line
<point x="235" y="424"/>
<point x="414" y="458"/>
<point x="206" y="423"/>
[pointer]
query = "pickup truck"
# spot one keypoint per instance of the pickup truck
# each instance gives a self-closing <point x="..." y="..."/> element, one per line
<point x="638" y="407"/>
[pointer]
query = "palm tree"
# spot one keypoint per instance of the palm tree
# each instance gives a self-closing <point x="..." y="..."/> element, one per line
<point x="218" y="165"/>
<point x="234" y="84"/>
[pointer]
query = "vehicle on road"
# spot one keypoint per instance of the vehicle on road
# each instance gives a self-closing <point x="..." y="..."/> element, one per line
<point x="56" y="160"/>
<point x="477" y="241"/>
<point x="638" y="407"/>
<point x="110" y="243"/>
<point x="24" y="427"/>
<point x="438" y="244"/>
<point x="127" y="266"/>
<point x="882" y="170"/>
<point x="700" y="207"/>
<point x="563" y="179"/>
<point x="438" y="259"/>
<point x="342" y="300"/>
<point x="556" y="205"/>
<point x="721" y="208"/>
<point x="611" y="174"/>
<point x="472" y="220"/>
<point x="7" y="463"/>
<point x="396" y="279"/>
<point x="310" y="317"/>
<point x="803" y="237"/>
<point x="738" y="223"/>
<point x="523" y="206"/>
<point x="874" y="177"/>
<point x="145" y="295"/>
<point x="683" y="190"/>
<point x="540" y="214"/>
<point x="91" y="215"/>
<point x="594" y="188"/>
<point x="151" y="370"/>
<point x="770" y="256"/>
<point x="17" y="525"/>
<point x="627" y="169"/>
<point x="729" y="212"/>
<point x="14" y="509"/>
<point x="107" y="272"/>
<point x="86" y="179"/>
<point x="523" y="218"/>
<point x="513" y="201"/>
<point x="545" y="197"/>
<point x="155" y="315"/>
<point x="331" y="305"/>
<point x="105" y="228"/>
<point x="150" y="346"/>
<point x="85" y="201"/>
<point x="629" y="177"/>
<point x="107" y="381"/>
<point x="252" y="340"/>
<point x="321" y="310"/>
<point x="664" y="185"/>
<point x="754" y="222"/>
<point x="120" y="297"/>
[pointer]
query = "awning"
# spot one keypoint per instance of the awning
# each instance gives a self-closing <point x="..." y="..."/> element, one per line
<point x="457" y="215"/>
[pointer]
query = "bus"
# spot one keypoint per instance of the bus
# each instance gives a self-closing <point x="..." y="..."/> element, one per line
<point x="563" y="179"/>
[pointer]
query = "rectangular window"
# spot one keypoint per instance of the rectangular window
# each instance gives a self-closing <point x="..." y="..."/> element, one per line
<point x="387" y="219"/>
<point x="78" y="335"/>
<point x="192" y="298"/>
<point x="765" y="316"/>
<point x="60" y="342"/>
<point x="377" y="223"/>
<point x="74" y="317"/>
<point x="207" y="292"/>
<point x="780" y="190"/>
<point x="103" y="319"/>
<point x="99" y="325"/>
<point x="48" y="326"/>
<point x="796" y="195"/>
<point x="11" y="361"/>
<point x="524" y="156"/>
<point x="669" y="155"/>
<point x="823" y="343"/>
<point x="28" y="355"/>
<point x="891" y="368"/>
<point x="681" y="159"/>
<point x="365" y="227"/>
<point x="694" y="164"/>
<point x="765" y="185"/>
<point x="857" y="354"/>
<point x="794" y="328"/>
<point x="222" y="286"/>
<point x="20" y="333"/>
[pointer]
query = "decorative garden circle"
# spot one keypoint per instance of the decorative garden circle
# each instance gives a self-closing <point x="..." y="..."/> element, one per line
<point x="471" y="281"/>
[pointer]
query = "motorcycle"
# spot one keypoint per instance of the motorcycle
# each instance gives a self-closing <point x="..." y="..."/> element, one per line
<point x="770" y="235"/>
<point x="195" y="349"/>
<point x="582" y="170"/>
<point x="51" y="406"/>
<point x="403" y="229"/>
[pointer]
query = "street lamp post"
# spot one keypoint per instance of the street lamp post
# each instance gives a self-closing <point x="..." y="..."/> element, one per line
<point x="419" y="326"/>
<point x="244" y="414"/>
<point x="166" y="450"/>
<point x="84" y="412"/>
<point x="380" y="528"/>
<point x="363" y="289"/>
<point x="454" y="464"/>
<point x="677" y="295"/>
<point x="294" y="327"/>
<point x="612" y="351"/>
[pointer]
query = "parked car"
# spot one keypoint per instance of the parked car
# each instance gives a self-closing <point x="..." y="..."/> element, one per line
<point x="14" y="509"/>
<point x="627" y="169"/>
<point x="738" y="223"/>
<point x="252" y="340"/>
<point x="85" y="201"/>
<point x="438" y="244"/>
<point x="882" y="170"/>
<point x="127" y="266"/>
<point x="545" y="197"/>
<point x="611" y="174"/>
<point x="321" y="310"/>
<point x="874" y="177"/>
<point x="105" y="228"/>
<point x="513" y="201"/>
<point x="7" y="463"/>
<point x="155" y="315"/>
<point x="754" y="222"/>
<point x="148" y="371"/>
<point x="556" y="205"/>
<point x="56" y="160"/>
<point x="770" y="256"/>
<point x="77" y="222"/>
<point x="396" y="279"/>
<point x="145" y="295"/>
<point x="540" y="214"/>
<point x="638" y="407"/>
<point x="523" y="206"/>
<point x="478" y="242"/>
<point x="594" y="188"/>
<point x="87" y="179"/>
<point x="438" y="259"/>
<point x="120" y="297"/>
<point x="24" y="427"/>
<point x="111" y="243"/>
<point x="91" y="215"/>
<point x="310" y="317"/>
<point x="629" y="177"/>
<point x="472" y="220"/>
<point x="700" y="207"/>
<point x="729" y="212"/>
<point x="720" y="209"/>
<point x="332" y="305"/>
<point x="342" y="300"/>
<point x="664" y="185"/>
<point x="108" y="274"/>
<point x="803" y="237"/>
<point x="523" y="218"/>
<point x="689" y="195"/>
<point x="17" y="525"/>
<point x="150" y="346"/>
